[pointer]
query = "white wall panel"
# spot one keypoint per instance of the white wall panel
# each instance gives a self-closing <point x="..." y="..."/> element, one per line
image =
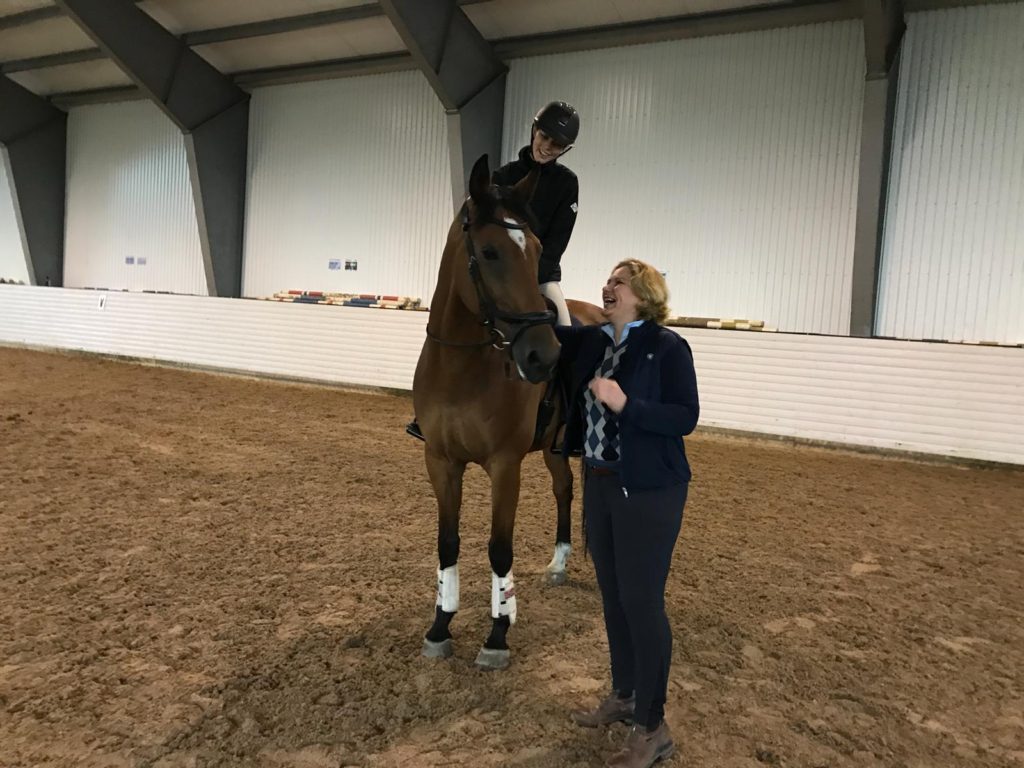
<point x="370" y="347"/>
<point x="350" y="170"/>
<point x="13" y="263"/>
<point x="950" y="399"/>
<point x="130" y="198"/>
<point x="953" y="259"/>
<point x="729" y="162"/>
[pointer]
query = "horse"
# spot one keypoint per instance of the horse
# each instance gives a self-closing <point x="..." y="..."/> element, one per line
<point x="479" y="384"/>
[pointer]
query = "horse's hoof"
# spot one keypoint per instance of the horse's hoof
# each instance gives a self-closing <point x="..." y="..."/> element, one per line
<point x="555" y="578"/>
<point x="493" y="658"/>
<point x="441" y="650"/>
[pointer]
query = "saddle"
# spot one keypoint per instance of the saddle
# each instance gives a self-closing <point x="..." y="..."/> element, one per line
<point x="556" y="394"/>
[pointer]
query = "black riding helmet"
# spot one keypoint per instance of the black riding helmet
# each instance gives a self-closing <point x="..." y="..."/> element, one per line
<point x="560" y="121"/>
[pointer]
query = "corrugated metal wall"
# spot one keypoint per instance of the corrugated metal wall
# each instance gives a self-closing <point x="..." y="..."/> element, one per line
<point x="951" y="399"/>
<point x="729" y="162"/>
<point x="131" y="221"/>
<point x="13" y="265"/>
<point x="347" y="170"/>
<point x="370" y="347"/>
<point x="953" y="263"/>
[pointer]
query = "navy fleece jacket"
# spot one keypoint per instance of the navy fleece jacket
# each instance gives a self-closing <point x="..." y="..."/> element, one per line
<point x="658" y="378"/>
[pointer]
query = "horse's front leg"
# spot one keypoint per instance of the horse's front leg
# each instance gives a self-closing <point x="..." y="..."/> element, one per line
<point x="446" y="477"/>
<point x="504" y="473"/>
<point x="561" y="484"/>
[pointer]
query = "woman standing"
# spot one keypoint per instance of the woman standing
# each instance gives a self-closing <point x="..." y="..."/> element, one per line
<point x="635" y="397"/>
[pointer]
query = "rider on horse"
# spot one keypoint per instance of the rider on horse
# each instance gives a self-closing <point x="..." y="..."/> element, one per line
<point x="554" y="203"/>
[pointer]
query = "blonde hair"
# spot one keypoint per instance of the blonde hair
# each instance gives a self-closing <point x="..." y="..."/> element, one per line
<point x="650" y="288"/>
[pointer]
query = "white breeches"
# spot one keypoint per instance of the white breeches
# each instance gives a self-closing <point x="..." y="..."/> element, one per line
<point x="554" y="292"/>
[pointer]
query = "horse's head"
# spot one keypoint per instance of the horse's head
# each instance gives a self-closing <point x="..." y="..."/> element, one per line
<point x="500" y="285"/>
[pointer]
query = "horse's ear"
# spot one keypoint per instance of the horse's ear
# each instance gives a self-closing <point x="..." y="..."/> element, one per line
<point x="479" y="179"/>
<point x="527" y="186"/>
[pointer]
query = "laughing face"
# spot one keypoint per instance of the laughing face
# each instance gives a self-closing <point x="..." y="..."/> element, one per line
<point x="620" y="303"/>
<point x="544" y="148"/>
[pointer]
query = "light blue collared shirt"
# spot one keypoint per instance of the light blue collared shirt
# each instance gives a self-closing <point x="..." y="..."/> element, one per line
<point x="610" y="330"/>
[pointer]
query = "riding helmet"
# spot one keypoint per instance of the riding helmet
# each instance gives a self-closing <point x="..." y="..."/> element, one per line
<point x="560" y="121"/>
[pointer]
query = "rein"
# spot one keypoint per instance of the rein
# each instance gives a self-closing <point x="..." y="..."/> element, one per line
<point x="491" y="313"/>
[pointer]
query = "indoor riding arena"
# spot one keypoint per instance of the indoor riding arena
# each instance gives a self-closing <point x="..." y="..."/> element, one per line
<point x="225" y="237"/>
<point x="212" y="570"/>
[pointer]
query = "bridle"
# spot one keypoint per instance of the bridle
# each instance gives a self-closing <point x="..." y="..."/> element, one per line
<point x="521" y="321"/>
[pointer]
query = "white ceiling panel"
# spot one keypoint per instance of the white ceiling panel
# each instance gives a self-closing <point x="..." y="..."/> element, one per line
<point x="84" y="76"/>
<point x="11" y="7"/>
<point x="41" y="38"/>
<point x="515" y="18"/>
<point x="333" y="41"/>
<point x="181" y="16"/>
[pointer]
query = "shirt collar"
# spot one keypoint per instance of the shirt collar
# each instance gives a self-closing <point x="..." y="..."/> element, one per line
<point x="609" y="329"/>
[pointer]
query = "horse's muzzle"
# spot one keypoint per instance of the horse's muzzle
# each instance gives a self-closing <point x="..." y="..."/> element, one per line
<point x="536" y="354"/>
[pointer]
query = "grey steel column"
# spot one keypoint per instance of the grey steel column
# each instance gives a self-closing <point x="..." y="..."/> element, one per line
<point x="883" y="33"/>
<point x="207" y="106"/>
<point x="464" y="71"/>
<point x="34" y="136"/>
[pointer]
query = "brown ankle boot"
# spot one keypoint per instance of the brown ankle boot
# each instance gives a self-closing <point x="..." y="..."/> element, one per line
<point x="612" y="709"/>
<point x="644" y="748"/>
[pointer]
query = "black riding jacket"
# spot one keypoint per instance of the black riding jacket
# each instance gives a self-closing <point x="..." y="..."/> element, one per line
<point x="554" y="204"/>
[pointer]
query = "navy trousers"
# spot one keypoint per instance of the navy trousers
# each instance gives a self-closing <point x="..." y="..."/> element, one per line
<point x="631" y="539"/>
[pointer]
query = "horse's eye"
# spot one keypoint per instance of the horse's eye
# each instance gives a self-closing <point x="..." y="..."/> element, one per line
<point x="490" y="252"/>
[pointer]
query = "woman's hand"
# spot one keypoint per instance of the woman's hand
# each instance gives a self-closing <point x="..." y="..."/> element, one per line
<point x="609" y="392"/>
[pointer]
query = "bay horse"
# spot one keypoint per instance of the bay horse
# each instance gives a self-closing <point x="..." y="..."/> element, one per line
<point x="478" y="386"/>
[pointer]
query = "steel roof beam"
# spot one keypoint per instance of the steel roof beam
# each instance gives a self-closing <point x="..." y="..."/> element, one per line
<point x="631" y="33"/>
<point x="883" y="35"/>
<point x="325" y="70"/>
<point x="34" y="137"/>
<point x="465" y="73"/>
<point x="118" y="93"/>
<point x="51" y="60"/>
<point x="209" y="36"/>
<point x="211" y="111"/>
<point x="281" y="25"/>
<point x="224" y="34"/>
<point x="29" y="17"/>
<point x="738" y="20"/>
<point x="33" y="16"/>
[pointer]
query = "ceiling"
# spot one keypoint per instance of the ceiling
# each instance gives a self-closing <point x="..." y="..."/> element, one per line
<point x="267" y="41"/>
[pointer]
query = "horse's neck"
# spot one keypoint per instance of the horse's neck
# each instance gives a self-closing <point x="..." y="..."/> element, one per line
<point x="452" y="319"/>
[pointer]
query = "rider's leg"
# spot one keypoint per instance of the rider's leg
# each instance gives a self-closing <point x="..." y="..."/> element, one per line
<point x="553" y="291"/>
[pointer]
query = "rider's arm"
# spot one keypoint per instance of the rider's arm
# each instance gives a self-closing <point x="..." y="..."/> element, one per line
<point x="556" y="239"/>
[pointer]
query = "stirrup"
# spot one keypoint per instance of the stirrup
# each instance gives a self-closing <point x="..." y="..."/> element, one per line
<point x="413" y="428"/>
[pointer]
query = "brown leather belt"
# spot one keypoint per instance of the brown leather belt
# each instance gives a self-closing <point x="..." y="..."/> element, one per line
<point x="601" y="471"/>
